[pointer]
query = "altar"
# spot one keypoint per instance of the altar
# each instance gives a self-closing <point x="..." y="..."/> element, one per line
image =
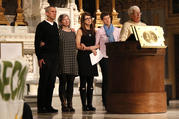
<point x="20" y="26"/>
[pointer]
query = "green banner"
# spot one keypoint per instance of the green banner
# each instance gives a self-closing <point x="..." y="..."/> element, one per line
<point x="12" y="79"/>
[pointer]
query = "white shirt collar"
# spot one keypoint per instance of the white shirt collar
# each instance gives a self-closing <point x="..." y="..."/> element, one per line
<point x="51" y="23"/>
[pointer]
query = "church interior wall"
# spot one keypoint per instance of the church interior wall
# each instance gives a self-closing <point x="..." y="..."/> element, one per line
<point x="10" y="6"/>
<point x="32" y="13"/>
<point x="172" y="29"/>
<point x="58" y="3"/>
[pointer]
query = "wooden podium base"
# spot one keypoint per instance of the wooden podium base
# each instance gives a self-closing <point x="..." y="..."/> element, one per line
<point x="135" y="79"/>
<point x="132" y="103"/>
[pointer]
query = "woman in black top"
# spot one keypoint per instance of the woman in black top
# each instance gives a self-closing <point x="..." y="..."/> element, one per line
<point x="85" y="41"/>
<point x="68" y="63"/>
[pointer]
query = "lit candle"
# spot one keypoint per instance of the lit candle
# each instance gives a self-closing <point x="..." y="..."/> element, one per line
<point x="0" y="3"/>
<point x="113" y="4"/>
<point x="80" y="5"/>
<point x="97" y="5"/>
<point x="19" y="3"/>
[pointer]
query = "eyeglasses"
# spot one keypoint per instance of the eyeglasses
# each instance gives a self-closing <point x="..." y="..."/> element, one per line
<point x="88" y="18"/>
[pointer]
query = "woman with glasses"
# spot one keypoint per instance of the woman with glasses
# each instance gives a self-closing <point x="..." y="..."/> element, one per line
<point x="85" y="42"/>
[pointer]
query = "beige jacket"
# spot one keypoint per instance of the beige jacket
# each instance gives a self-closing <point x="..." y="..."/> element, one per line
<point x="126" y="30"/>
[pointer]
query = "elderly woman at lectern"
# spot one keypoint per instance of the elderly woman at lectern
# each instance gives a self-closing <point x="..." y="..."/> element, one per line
<point x="135" y="20"/>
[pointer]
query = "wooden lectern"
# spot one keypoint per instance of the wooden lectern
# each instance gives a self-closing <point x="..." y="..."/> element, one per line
<point x="135" y="79"/>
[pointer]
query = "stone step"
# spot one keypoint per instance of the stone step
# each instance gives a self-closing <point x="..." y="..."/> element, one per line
<point x="31" y="100"/>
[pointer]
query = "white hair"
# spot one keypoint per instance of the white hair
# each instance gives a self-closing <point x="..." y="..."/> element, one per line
<point x="132" y="9"/>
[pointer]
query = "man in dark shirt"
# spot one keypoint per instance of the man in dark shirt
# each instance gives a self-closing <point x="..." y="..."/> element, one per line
<point x="47" y="54"/>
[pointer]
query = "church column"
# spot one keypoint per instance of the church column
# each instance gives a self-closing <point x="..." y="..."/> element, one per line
<point x="43" y="5"/>
<point x="98" y="14"/>
<point x="81" y="10"/>
<point x="20" y="16"/>
<point x="3" y="20"/>
<point x="116" y="20"/>
<point x="74" y="14"/>
<point x="72" y="1"/>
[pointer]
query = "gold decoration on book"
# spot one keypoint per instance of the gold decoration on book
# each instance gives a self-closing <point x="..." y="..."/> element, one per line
<point x="149" y="36"/>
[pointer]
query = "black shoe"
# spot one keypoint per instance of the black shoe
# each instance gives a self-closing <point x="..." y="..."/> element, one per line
<point x="71" y="109"/>
<point x="84" y="108"/>
<point x="65" y="109"/>
<point x="42" y="110"/>
<point x="51" y="110"/>
<point x="91" y="108"/>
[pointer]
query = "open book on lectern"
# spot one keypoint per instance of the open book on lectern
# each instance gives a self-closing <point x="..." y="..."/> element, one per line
<point x="149" y="36"/>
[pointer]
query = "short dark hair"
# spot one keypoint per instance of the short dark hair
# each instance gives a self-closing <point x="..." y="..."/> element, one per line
<point x="105" y="14"/>
<point x="47" y="8"/>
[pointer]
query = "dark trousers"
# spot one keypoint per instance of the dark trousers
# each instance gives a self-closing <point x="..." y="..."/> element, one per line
<point x="66" y="89"/>
<point x="104" y="69"/>
<point x="47" y="79"/>
<point x="86" y="94"/>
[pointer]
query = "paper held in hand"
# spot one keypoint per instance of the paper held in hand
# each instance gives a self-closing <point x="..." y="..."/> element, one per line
<point x="95" y="59"/>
